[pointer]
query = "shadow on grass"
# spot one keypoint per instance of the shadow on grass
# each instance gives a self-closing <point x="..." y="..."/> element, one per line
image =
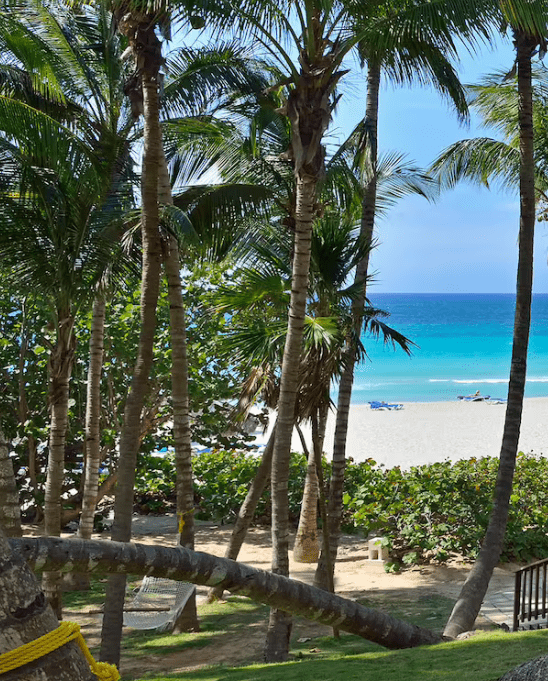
<point x="234" y="632"/>
<point x="217" y="622"/>
<point x="484" y="657"/>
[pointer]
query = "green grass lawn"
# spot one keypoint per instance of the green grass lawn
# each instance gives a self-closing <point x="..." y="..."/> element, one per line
<point x="483" y="657"/>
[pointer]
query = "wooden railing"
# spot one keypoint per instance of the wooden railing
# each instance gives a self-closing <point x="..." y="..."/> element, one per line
<point x="530" y="597"/>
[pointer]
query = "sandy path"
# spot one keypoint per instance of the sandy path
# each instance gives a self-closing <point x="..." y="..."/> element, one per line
<point x="354" y="571"/>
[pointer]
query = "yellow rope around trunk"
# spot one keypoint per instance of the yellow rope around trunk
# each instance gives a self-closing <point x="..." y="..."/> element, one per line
<point x="65" y="632"/>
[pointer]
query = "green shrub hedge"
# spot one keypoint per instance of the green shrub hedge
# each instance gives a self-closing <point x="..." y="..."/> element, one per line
<point x="427" y="513"/>
<point x="442" y="509"/>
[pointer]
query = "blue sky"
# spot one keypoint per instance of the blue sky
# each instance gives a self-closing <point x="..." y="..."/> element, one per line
<point x="467" y="241"/>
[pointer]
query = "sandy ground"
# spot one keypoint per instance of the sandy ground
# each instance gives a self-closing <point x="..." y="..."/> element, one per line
<point x="354" y="571"/>
<point x="356" y="576"/>
<point x="425" y="432"/>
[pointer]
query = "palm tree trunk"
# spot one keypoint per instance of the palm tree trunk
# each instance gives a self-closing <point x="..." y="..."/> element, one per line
<point x="347" y="378"/>
<point x="20" y="593"/>
<point x="473" y="591"/>
<point x="306" y="548"/>
<point x="279" y="625"/>
<point x="202" y="568"/>
<point x="60" y="369"/>
<point x="247" y="510"/>
<point x="10" y="511"/>
<point x="23" y="407"/>
<point x="309" y="110"/>
<point x="318" y="451"/>
<point x="92" y="446"/>
<point x="152" y="261"/>
<point x="188" y="620"/>
<point x="93" y="419"/>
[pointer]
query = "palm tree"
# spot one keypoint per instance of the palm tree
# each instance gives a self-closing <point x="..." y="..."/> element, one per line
<point x="392" y="178"/>
<point x="201" y="81"/>
<point x="54" y="194"/>
<point x="322" y="44"/>
<point x="488" y="161"/>
<point x="138" y="24"/>
<point x="92" y="442"/>
<point x="263" y="286"/>
<point x="422" y="55"/>
<point x="92" y="105"/>
<point x="529" y="33"/>
<point x="201" y="568"/>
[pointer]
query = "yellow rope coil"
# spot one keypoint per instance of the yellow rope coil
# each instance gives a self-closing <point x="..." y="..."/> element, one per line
<point x="65" y="632"/>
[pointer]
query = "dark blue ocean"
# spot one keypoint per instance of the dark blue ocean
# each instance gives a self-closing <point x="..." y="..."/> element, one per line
<point x="464" y="344"/>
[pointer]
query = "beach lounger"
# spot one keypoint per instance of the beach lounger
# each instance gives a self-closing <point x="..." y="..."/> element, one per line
<point x="473" y="398"/>
<point x="385" y="405"/>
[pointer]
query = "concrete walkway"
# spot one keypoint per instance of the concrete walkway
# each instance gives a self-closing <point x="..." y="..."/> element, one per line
<point x="498" y="608"/>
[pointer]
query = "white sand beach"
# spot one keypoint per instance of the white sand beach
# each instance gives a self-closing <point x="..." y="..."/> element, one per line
<point x="425" y="432"/>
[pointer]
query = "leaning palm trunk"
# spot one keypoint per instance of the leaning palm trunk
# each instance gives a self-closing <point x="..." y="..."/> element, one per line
<point x="202" y="568"/>
<point x="473" y="591"/>
<point x="10" y="511"/>
<point x="60" y="369"/>
<point x="152" y="261"/>
<point x="188" y="620"/>
<point x="247" y="510"/>
<point x="26" y="616"/>
<point x="347" y="378"/>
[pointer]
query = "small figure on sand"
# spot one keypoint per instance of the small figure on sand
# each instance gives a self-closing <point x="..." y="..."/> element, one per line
<point x="475" y="397"/>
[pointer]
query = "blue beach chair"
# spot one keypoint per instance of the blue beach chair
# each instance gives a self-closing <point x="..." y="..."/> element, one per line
<point x="384" y="405"/>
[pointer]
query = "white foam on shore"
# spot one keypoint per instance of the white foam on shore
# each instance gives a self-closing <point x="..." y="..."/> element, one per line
<point x="425" y="432"/>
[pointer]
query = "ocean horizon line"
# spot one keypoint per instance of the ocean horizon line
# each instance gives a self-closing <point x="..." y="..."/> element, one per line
<point x="451" y="293"/>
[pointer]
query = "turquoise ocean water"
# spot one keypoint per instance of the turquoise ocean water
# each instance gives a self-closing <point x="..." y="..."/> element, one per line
<point x="465" y="344"/>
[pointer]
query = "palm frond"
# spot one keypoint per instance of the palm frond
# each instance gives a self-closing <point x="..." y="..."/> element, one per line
<point x="481" y="161"/>
<point x="178" y="224"/>
<point x="398" y="177"/>
<point x="200" y="78"/>
<point x="378" y="329"/>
